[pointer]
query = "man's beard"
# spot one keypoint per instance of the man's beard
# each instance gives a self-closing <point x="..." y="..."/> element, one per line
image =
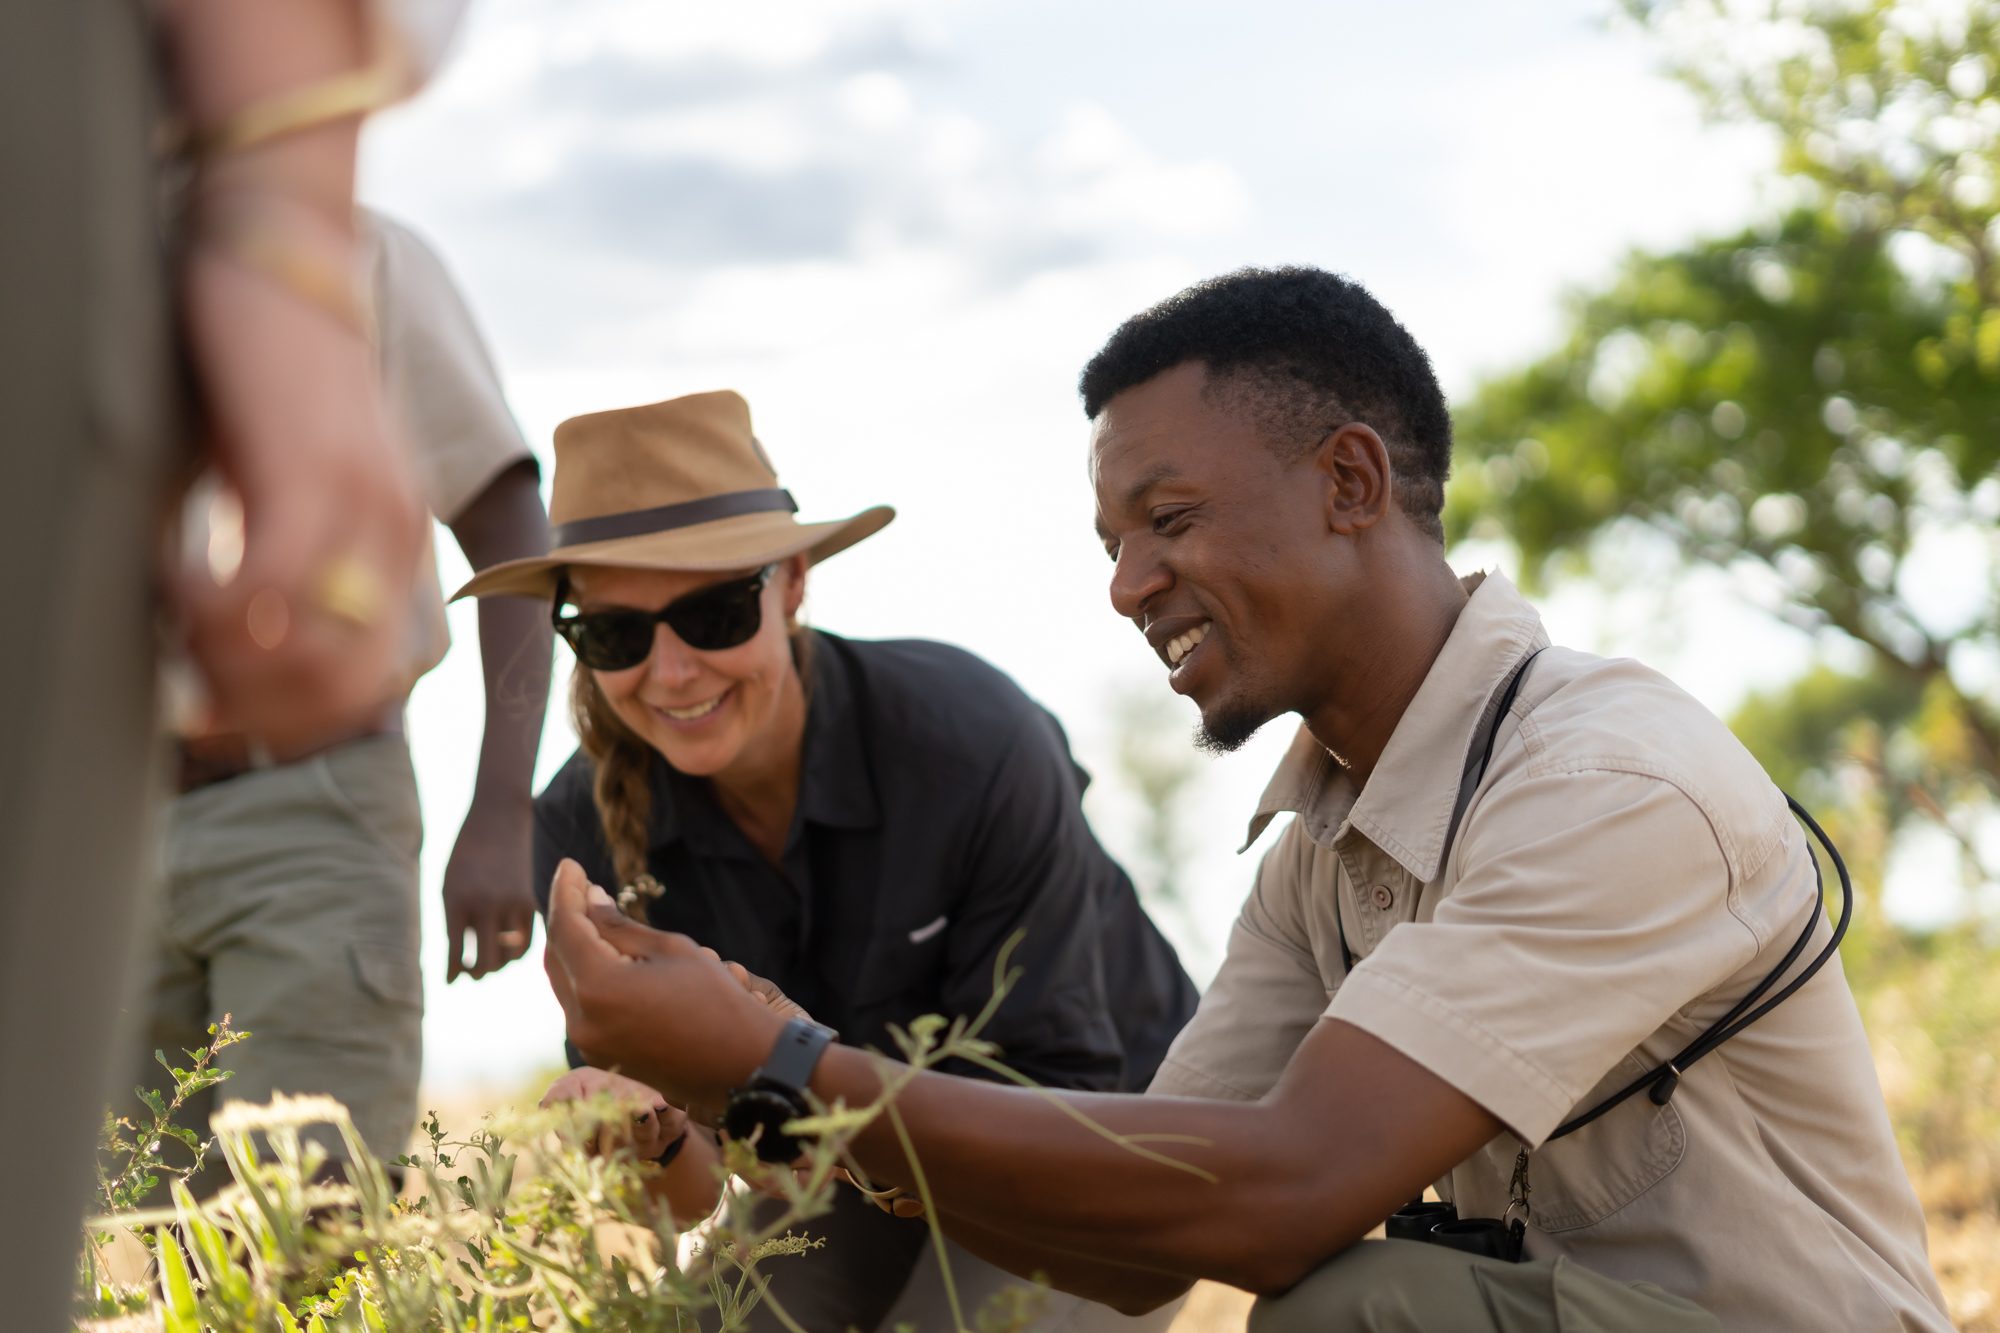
<point x="1229" y="728"/>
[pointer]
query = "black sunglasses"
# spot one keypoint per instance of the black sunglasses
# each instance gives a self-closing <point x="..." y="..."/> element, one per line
<point x="719" y="616"/>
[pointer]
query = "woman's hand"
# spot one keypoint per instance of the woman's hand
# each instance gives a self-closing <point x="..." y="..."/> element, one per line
<point x="651" y="1001"/>
<point x="651" y="1126"/>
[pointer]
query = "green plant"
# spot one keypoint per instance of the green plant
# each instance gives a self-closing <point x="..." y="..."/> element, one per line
<point x="131" y="1164"/>
<point x="515" y="1226"/>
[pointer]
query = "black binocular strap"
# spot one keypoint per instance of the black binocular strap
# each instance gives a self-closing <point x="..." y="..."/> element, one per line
<point x="1476" y="760"/>
<point x="1665" y="1078"/>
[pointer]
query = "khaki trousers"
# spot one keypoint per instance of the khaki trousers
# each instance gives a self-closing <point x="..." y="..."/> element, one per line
<point x="1402" y="1286"/>
<point x="89" y="440"/>
<point x="291" y="906"/>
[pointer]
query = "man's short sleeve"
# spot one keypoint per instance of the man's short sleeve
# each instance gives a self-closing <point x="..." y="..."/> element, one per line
<point x="440" y="377"/>
<point x="1263" y="1001"/>
<point x="1593" y="905"/>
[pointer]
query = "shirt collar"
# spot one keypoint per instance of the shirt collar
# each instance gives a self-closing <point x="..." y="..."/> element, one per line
<point x="1406" y="806"/>
<point x="836" y="788"/>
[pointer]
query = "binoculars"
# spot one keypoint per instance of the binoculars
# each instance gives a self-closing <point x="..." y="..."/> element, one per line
<point x="1440" y="1224"/>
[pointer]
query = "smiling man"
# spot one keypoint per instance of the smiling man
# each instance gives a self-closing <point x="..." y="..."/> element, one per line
<point x="1520" y="881"/>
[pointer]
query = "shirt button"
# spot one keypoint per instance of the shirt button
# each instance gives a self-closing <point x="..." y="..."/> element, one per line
<point x="1383" y="898"/>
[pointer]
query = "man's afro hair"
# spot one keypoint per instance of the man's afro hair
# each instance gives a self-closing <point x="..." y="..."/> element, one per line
<point x="1308" y="351"/>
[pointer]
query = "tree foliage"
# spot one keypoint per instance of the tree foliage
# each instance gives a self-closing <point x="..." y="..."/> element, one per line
<point x="1813" y="402"/>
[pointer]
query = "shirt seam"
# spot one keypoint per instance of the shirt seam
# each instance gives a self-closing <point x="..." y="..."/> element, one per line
<point x="1550" y="766"/>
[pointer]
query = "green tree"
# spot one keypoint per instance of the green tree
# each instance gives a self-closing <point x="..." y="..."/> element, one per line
<point x="1813" y="402"/>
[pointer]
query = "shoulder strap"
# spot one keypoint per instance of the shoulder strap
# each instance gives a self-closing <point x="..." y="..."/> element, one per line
<point x="1475" y="770"/>
<point x="1476" y="760"/>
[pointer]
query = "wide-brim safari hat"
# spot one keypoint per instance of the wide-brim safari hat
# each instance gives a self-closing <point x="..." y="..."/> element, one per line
<point x="679" y="485"/>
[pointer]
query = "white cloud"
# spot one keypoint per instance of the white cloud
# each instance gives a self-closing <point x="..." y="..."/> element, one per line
<point x="825" y="204"/>
<point x="665" y="190"/>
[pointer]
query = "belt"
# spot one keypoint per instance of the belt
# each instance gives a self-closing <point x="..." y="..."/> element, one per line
<point x="203" y="761"/>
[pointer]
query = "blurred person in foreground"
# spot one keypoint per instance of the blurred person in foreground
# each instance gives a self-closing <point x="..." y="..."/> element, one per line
<point x="258" y="301"/>
<point x="1518" y="876"/>
<point x="291" y="884"/>
<point x="863" y="823"/>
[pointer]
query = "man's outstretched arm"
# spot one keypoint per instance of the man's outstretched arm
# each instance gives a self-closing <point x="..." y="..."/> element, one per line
<point x="1351" y="1131"/>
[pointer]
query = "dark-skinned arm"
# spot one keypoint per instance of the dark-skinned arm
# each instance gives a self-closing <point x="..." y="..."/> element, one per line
<point x="488" y="882"/>
<point x="1352" y="1129"/>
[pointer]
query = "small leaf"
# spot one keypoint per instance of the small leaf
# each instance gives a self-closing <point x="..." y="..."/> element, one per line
<point x="181" y="1312"/>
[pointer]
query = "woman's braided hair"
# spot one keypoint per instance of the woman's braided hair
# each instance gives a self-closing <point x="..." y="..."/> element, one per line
<point x="621" y="765"/>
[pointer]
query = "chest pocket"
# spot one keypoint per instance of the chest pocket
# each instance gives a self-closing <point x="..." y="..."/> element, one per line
<point x="1585" y="1178"/>
<point x="904" y="961"/>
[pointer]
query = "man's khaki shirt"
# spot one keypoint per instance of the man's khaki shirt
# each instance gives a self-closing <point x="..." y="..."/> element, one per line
<point x="1624" y="872"/>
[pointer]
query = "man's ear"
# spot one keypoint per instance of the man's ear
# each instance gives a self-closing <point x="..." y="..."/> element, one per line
<point x="1353" y="465"/>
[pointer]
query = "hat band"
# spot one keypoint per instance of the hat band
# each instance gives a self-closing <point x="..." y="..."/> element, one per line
<point x="664" y="518"/>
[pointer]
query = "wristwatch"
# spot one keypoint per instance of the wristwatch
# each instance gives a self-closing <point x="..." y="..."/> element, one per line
<point x="776" y="1093"/>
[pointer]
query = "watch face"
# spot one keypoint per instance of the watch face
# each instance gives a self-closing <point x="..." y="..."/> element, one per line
<point x="761" y="1113"/>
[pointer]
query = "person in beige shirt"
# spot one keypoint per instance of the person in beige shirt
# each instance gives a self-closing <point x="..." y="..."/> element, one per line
<point x="1518" y="879"/>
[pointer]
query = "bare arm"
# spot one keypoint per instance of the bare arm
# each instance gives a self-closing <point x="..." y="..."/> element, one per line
<point x="488" y="882"/>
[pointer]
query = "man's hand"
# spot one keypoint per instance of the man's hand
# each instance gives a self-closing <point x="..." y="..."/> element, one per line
<point x="487" y="892"/>
<point x="653" y="1124"/>
<point x="654" y="1003"/>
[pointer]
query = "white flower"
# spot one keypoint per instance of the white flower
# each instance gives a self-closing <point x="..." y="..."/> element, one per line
<point x="246" y="1117"/>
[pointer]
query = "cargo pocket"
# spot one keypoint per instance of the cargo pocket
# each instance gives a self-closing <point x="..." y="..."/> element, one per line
<point x="380" y="1056"/>
<point x="908" y="959"/>
<point x="388" y="973"/>
<point x="1581" y="1180"/>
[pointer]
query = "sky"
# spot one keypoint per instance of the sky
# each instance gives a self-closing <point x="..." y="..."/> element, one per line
<point x="900" y="229"/>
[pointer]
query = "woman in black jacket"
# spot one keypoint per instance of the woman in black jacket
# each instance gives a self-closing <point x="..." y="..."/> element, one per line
<point x="864" y="824"/>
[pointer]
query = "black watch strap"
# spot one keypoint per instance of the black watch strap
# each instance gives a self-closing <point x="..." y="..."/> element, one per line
<point x="794" y="1056"/>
